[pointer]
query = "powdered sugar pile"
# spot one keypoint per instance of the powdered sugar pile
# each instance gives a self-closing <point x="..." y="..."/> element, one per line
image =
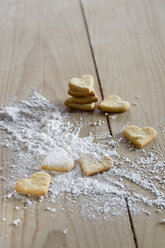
<point x="35" y="127"/>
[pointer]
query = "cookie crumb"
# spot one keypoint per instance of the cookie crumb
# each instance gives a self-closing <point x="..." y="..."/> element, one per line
<point x="53" y="210"/>
<point x="162" y="221"/>
<point x="146" y="212"/>
<point x="16" y="222"/>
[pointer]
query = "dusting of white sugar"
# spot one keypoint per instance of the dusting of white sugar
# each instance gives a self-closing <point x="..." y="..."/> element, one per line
<point x="36" y="127"/>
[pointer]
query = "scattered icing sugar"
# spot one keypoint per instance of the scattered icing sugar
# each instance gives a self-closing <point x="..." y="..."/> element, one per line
<point x="113" y="117"/>
<point x="35" y="127"/>
<point x="134" y="103"/>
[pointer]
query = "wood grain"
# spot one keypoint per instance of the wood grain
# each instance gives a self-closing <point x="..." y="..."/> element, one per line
<point x="42" y="45"/>
<point x="128" y="42"/>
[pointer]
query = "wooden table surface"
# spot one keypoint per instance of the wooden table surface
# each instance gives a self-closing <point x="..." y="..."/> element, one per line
<point x="122" y="44"/>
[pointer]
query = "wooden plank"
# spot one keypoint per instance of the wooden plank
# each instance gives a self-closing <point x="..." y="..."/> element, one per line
<point x="42" y="45"/>
<point x="128" y="42"/>
<point x="132" y="34"/>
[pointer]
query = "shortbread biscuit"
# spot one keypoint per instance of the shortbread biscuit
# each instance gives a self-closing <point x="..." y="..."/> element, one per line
<point x="113" y="104"/>
<point x="37" y="185"/>
<point x="58" y="160"/>
<point x="72" y="92"/>
<point x="140" y="136"/>
<point x="88" y="106"/>
<point x="83" y="84"/>
<point x="91" y="165"/>
<point x="85" y="99"/>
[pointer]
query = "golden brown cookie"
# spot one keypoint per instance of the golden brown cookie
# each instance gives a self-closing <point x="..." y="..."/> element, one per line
<point x="85" y="99"/>
<point x="83" y="84"/>
<point x="140" y="136"/>
<point x="58" y="160"/>
<point x="72" y="92"/>
<point x="37" y="185"/>
<point x="91" y="166"/>
<point x="113" y="104"/>
<point x="88" y="106"/>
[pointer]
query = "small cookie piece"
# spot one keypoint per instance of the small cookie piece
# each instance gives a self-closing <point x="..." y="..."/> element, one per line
<point x="88" y="106"/>
<point x="91" y="165"/>
<point x="37" y="185"/>
<point x="113" y="104"/>
<point x="58" y="160"/>
<point x="85" y="99"/>
<point x="140" y="136"/>
<point x="72" y="92"/>
<point x="83" y="84"/>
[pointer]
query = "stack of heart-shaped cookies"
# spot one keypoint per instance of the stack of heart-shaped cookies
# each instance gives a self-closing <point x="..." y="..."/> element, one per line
<point x="83" y="95"/>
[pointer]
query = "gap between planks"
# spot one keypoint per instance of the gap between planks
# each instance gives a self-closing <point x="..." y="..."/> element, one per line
<point x="93" y="57"/>
<point x="102" y="95"/>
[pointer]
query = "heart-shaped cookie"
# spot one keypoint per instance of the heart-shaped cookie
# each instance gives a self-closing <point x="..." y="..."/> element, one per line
<point x="77" y="93"/>
<point x="113" y="104"/>
<point x="86" y="106"/>
<point x="91" y="165"/>
<point x="37" y="185"/>
<point x="83" y="84"/>
<point x="58" y="160"/>
<point x="140" y="136"/>
<point x="85" y="99"/>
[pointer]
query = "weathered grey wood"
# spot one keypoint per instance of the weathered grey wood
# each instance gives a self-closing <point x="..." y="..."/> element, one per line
<point x="128" y="42"/>
<point x="42" y="45"/>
